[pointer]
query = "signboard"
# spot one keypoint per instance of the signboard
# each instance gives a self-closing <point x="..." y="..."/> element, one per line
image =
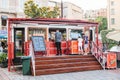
<point x="111" y="60"/>
<point x="3" y="33"/>
<point x="38" y="43"/>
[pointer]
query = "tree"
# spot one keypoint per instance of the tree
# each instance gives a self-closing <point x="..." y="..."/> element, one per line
<point x="32" y="10"/>
<point x="103" y="23"/>
<point x="107" y="41"/>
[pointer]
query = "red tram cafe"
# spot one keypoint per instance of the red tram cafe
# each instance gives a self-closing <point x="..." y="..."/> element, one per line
<point x="20" y="31"/>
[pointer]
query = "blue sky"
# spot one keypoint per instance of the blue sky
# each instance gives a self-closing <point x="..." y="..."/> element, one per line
<point x="88" y="4"/>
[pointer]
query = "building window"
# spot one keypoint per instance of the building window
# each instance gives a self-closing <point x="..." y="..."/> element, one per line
<point x="21" y="5"/>
<point x="37" y="2"/>
<point x="64" y="16"/>
<point x="4" y="20"/>
<point x="112" y="21"/>
<point x="52" y="4"/>
<point x="112" y="11"/>
<point x="112" y="3"/>
<point x="5" y="4"/>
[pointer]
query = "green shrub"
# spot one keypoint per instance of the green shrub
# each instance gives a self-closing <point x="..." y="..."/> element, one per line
<point x="110" y="43"/>
<point x="3" y="57"/>
<point x="18" y="53"/>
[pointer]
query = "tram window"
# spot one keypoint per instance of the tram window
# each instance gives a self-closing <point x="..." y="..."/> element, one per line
<point x="4" y="20"/>
<point x="52" y="33"/>
<point x="74" y="34"/>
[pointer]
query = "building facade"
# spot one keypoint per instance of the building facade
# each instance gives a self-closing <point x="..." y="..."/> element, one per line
<point x="71" y="11"/>
<point x="10" y="9"/>
<point x="93" y="14"/>
<point x="15" y="9"/>
<point x="113" y="12"/>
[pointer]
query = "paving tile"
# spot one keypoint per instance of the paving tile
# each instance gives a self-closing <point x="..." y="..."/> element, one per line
<point x="86" y="75"/>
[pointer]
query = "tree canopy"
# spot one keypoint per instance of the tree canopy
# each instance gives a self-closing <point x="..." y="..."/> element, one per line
<point x="32" y="10"/>
<point x="102" y="23"/>
<point x="107" y="41"/>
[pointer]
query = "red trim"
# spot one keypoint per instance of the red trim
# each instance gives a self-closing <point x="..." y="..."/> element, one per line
<point x="26" y="48"/>
<point x="49" y="21"/>
<point x="9" y="45"/>
<point x="97" y="37"/>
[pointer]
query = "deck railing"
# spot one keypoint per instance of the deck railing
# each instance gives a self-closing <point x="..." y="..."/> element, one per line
<point x="99" y="55"/>
<point x="32" y="57"/>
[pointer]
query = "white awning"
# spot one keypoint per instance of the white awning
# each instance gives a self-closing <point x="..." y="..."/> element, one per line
<point x="115" y="49"/>
<point x="114" y="35"/>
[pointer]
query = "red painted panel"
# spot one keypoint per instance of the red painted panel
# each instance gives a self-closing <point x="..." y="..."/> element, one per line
<point x="26" y="48"/>
<point x="63" y="44"/>
<point x="73" y="46"/>
<point x="12" y="50"/>
<point x="52" y="44"/>
<point x="53" y="51"/>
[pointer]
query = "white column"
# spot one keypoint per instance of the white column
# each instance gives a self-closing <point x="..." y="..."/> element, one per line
<point x="26" y="34"/>
<point x="93" y="29"/>
<point x="47" y="32"/>
<point x="67" y="34"/>
<point x="12" y="36"/>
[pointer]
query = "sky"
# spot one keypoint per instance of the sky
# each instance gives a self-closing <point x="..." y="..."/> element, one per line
<point x="88" y="4"/>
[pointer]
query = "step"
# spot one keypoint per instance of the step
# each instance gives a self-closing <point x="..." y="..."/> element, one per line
<point x="62" y="57"/>
<point x="65" y="60"/>
<point x="61" y="65"/>
<point x="67" y="69"/>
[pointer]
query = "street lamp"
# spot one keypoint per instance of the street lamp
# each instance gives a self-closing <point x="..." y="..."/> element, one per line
<point x="61" y="9"/>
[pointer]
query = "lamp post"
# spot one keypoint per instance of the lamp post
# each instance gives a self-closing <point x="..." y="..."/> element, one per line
<point x="61" y="9"/>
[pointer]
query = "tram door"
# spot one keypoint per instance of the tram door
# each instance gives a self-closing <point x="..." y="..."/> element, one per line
<point x="19" y="38"/>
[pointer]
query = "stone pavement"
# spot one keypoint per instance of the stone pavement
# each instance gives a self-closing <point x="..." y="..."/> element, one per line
<point x="86" y="75"/>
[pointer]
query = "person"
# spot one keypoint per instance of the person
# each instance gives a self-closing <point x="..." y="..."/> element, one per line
<point x="86" y="44"/>
<point x="3" y="45"/>
<point x="119" y="43"/>
<point x="58" y="37"/>
<point x="80" y="47"/>
<point x="83" y="42"/>
<point x="1" y="48"/>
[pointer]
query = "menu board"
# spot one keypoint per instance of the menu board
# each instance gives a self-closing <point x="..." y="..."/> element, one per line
<point x="38" y="43"/>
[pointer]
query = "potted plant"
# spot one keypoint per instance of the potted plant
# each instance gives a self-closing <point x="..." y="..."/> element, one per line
<point x="3" y="60"/>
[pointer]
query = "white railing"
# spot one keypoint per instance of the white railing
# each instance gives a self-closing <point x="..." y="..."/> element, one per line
<point x="32" y="56"/>
<point x="99" y="54"/>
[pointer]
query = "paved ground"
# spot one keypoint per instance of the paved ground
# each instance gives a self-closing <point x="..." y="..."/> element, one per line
<point x="86" y="75"/>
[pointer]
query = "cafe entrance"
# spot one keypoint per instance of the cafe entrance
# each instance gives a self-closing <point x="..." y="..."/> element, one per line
<point x="18" y="42"/>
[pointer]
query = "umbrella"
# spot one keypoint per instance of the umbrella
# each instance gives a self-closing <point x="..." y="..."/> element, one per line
<point x="115" y="49"/>
<point x="114" y="35"/>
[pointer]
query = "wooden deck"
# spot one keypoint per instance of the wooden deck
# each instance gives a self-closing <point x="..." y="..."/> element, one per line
<point x="67" y="63"/>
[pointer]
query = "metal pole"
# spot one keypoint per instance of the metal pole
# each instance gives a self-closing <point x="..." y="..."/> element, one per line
<point x="9" y="46"/>
<point x="61" y="9"/>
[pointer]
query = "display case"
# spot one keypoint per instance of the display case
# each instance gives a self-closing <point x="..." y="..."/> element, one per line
<point x="52" y="33"/>
<point x="74" y="34"/>
<point x="37" y="32"/>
